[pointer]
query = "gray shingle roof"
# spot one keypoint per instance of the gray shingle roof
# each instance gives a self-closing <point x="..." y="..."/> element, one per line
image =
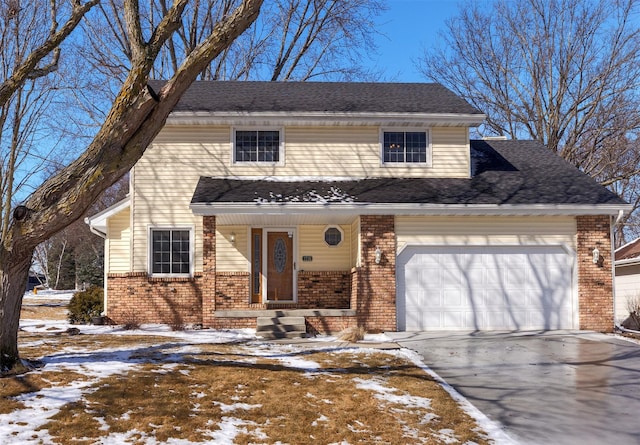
<point x="342" y="97"/>
<point x="503" y="172"/>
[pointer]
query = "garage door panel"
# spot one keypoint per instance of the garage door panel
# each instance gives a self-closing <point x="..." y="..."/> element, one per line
<point x="432" y="320"/>
<point x="515" y="277"/>
<point x="494" y="319"/>
<point x="453" y="297"/>
<point x="485" y="288"/>
<point x="494" y="299"/>
<point x="451" y="319"/>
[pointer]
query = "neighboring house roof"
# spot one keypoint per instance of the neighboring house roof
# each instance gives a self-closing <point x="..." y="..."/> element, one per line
<point x="301" y="97"/>
<point x="505" y="174"/>
<point x="629" y="253"/>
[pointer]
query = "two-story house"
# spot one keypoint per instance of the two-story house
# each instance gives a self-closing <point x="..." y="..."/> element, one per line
<point x="354" y="203"/>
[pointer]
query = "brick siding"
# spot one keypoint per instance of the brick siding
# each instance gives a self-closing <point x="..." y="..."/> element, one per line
<point x="374" y="285"/>
<point x="232" y="290"/>
<point x="136" y="297"/>
<point x="233" y="323"/>
<point x="208" y="270"/>
<point x="327" y="290"/>
<point x="595" y="288"/>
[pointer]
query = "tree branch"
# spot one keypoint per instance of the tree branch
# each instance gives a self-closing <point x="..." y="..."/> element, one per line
<point x="133" y="122"/>
<point x="29" y="66"/>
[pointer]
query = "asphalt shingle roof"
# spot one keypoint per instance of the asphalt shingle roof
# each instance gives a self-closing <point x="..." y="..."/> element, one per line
<point x="337" y="97"/>
<point x="503" y="172"/>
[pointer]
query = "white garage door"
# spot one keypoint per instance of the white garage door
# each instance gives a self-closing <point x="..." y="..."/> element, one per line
<point x="485" y="288"/>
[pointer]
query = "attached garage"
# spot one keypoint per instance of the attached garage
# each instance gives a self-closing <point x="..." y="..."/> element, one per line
<point x="485" y="288"/>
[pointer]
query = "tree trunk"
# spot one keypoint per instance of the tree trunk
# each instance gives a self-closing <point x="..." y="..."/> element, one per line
<point x="14" y="273"/>
<point x="136" y="116"/>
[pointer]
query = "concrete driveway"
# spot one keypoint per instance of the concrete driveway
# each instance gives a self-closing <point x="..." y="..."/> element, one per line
<point x="551" y="388"/>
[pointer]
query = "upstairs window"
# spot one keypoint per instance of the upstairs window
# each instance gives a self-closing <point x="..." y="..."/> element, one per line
<point x="257" y="146"/>
<point x="170" y="252"/>
<point x="405" y="147"/>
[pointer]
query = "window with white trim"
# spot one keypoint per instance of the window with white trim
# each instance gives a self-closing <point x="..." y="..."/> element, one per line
<point x="170" y="251"/>
<point x="257" y="146"/>
<point x="333" y="236"/>
<point x="405" y="147"/>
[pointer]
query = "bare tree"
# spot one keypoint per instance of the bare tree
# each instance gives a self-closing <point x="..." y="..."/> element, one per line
<point x="136" y="116"/>
<point x="293" y="39"/>
<point x="563" y="72"/>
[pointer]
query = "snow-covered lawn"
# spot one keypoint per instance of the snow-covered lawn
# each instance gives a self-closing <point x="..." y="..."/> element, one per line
<point x="154" y="385"/>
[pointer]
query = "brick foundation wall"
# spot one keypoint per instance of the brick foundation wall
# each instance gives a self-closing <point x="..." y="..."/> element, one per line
<point x="374" y="285"/>
<point x="233" y="323"/>
<point x="595" y="288"/>
<point x="135" y="297"/>
<point x="232" y="290"/>
<point x="327" y="290"/>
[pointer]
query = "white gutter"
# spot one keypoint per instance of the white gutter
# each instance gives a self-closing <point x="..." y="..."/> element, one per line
<point x="94" y="230"/>
<point x="627" y="262"/>
<point x="283" y="208"/>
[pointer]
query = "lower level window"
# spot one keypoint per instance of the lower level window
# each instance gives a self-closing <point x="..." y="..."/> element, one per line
<point x="170" y="251"/>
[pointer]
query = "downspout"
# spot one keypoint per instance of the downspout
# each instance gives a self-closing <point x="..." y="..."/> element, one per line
<point x="613" y="260"/>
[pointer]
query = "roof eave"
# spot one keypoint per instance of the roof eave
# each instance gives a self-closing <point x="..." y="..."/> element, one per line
<point x="208" y="209"/>
<point x="98" y="222"/>
<point x="323" y="118"/>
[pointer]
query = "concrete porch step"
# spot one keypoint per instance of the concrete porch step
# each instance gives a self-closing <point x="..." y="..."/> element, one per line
<point x="281" y="327"/>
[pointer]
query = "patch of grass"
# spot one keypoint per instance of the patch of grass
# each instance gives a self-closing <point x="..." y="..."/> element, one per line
<point x="271" y="395"/>
<point x="13" y="386"/>
<point x="47" y="311"/>
<point x="190" y="400"/>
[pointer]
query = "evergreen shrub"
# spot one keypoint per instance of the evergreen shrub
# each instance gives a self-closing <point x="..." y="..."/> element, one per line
<point x="85" y="305"/>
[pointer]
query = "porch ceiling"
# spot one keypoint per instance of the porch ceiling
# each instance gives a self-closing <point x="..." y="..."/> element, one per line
<point x="328" y="217"/>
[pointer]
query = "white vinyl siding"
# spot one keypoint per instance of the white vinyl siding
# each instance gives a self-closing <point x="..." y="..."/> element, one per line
<point x="627" y="286"/>
<point x="119" y="242"/>
<point x="486" y="230"/>
<point x="356" y="151"/>
<point x="230" y="257"/>
<point x="325" y="258"/>
<point x="164" y="179"/>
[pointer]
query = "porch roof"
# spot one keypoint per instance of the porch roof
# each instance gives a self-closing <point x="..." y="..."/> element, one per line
<point x="507" y="177"/>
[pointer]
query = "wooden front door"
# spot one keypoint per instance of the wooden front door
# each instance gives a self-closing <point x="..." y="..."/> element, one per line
<point x="279" y="266"/>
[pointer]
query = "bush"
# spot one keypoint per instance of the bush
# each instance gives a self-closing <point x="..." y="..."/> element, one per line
<point x="85" y="305"/>
<point x="353" y="334"/>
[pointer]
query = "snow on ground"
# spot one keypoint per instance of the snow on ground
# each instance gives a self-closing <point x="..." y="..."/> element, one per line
<point x="48" y="294"/>
<point x="21" y="426"/>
